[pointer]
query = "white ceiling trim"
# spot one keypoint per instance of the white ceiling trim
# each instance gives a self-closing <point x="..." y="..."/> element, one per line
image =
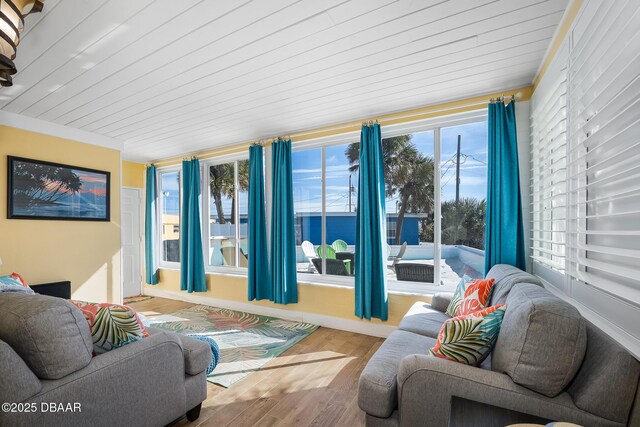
<point x="60" y="131"/>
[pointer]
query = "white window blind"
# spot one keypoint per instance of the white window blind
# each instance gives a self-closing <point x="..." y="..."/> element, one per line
<point x="549" y="174"/>
<point x="604" y="185"/>
<point x="585" y="168"/>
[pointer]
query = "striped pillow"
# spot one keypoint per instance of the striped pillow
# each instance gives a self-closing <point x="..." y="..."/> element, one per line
<point x="470" y="338"/>
<point x="111" y="325"/>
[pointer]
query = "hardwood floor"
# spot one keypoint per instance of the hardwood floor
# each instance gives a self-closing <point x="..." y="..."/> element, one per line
<point x="314" y="383"/>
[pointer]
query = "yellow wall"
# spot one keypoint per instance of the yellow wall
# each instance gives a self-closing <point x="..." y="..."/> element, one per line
<point x="85" y="252"/>
<point x="133" y="174"/>
<point x="317" y="299"/>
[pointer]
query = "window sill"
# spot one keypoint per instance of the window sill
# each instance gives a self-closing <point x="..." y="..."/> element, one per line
<point x="394" y="287"/>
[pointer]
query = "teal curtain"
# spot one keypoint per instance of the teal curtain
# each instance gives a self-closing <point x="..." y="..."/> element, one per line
<point x="150" y="227"/>
<point x="259" y="277"/>
<point x="283" y="241"/>
<point x="192" y="276"/>
<point x="504" y="232"/>
<point x="371" y="252"/>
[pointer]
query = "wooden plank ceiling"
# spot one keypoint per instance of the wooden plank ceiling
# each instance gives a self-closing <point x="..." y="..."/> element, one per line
<point x="172" y="77"/>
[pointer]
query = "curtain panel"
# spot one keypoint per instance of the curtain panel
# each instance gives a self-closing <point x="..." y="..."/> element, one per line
<point x="192" y="275"/>
<point x="283" y="244"/>
<point x="370" y="259"/>
<point x="504" y="232"/>
<point x="259" y="280"/>
<point x="151" y="269"/>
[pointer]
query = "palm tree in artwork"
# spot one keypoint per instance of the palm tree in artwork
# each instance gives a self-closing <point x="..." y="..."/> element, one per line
<point x="407" y="174"/>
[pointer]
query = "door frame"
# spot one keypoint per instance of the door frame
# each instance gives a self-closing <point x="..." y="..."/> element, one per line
<point x="140" y="192"/>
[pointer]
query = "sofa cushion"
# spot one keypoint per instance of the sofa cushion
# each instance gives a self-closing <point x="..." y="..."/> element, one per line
<point x="607" y="381"/>
<point x="17" y="382"/>
<point x="48" y="333"/>
<point x="378" y="388"/>
<point x="111" y="325"/>
<point x="506" y="277"/>
<point x="542" y="340"/>
<point x="441" y="300"/>
<point x="469" y="338"/>
<point x="423" y="319"/>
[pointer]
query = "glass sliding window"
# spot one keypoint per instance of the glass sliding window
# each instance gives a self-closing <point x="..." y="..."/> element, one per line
<point x="222" y="215"/>
<point x="307" y="206"/>
<point x="243" y="212"/>
<point x="409" y="180"/>
<point x="463" y="166"/>
<point x="170" y="216"/>
<point x="341" y="182"/>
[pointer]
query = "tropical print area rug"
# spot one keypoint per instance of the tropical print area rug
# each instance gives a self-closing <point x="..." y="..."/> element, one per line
<point x="247" y="341"/>
<point x="137" y="298"/>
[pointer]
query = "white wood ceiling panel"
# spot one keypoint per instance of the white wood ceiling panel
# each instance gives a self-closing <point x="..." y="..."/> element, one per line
<point x="167" y="39"/>
<point x="275" y="30"/>
<point x="305" y="91"/>
<point x="288" y="70"/>
<point x="488" y="43"/>
<point x="106" y="48"/>
<point x="168" y="78"/>
<point x="346" y="97"/>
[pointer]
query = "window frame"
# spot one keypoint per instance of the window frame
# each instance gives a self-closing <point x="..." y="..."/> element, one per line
<point x="205" y="205"/>
<point x="159" y="212"/>
<point x="394" y="286"/>
<point x="430" y="124"/>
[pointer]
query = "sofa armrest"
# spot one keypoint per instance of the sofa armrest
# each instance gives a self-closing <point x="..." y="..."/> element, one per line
<point x="427" y="384"/>
<point x="441" y="300"/>
<point x="144" y="381"/>
<point x="197" y="354"/>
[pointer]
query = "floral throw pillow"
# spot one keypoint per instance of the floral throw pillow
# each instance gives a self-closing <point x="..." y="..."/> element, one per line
<point x="111" y="325"/>
<point x="458" y="296"/>
<point x="470" y="338"/>
<point x="476" y="296"/>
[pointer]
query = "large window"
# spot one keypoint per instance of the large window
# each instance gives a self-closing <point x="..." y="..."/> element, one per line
<point x="325" y="181"/>
<point x="463" y="166"/>
<point x="228" y="184"/>
<point x="435" y="186"/>
<point x="169" y="195"/>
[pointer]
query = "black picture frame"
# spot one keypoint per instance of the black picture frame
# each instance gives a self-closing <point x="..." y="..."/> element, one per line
<point x="62" y="197"/>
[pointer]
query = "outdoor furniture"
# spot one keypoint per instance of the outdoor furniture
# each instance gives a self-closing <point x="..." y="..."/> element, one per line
<point x="349" y="259"/>
<point x="414" y="272"/>
<point x="330" y="252"/>
<point x="244" y="259"/>
<point x="340" y="246"/>
<point x="395" y="259"/>
<point x="335" y="267"/>
<point x="229" y="255"/>
<point x="309" y="252"/>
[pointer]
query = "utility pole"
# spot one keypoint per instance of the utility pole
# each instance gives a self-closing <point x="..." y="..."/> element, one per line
<point x="458" y="172"/>
<point x="350" y="191"/>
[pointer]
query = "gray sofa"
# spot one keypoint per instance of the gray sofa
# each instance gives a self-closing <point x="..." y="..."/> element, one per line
<point x="549" y="364"/>
<point x="46" y="358"/>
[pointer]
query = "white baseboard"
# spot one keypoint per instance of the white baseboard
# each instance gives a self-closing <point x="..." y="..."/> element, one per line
<point x="360" y="327"/>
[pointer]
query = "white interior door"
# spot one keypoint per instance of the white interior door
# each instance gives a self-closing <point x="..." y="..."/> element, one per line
<point x="131" y="241"/>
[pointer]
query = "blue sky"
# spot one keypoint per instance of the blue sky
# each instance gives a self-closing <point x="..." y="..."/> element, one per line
<point x="307" y="169"/>
<point x="307" y="174"/>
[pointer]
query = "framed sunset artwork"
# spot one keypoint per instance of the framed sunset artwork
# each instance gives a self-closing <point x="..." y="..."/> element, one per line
<point x="45" y="190"/>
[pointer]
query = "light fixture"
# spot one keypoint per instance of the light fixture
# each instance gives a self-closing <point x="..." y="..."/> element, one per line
<point x="12" y="13"/>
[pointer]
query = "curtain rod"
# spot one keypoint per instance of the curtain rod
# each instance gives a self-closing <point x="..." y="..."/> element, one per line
<point x="502" y="98"/>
